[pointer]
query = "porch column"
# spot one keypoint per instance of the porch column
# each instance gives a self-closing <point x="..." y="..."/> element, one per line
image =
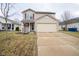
<point x="23" y="29"/>
<point x="29" y="26"/>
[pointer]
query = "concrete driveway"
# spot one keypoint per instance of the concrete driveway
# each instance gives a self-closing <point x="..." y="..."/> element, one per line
<point x="57" y="44"/>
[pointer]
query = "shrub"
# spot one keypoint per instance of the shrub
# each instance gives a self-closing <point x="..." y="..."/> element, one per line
<point x="17" y="29"/>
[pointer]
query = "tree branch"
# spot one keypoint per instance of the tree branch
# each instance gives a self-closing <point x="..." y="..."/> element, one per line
<point x="2" y="9"/>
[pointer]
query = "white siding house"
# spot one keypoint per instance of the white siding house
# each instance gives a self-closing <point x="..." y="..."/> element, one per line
<point x="72" y="23"/>
<point x="0" y="26"/>
<point x="10" y="23"/>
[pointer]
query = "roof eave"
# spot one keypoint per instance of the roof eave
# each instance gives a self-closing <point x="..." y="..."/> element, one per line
<point x="38" y="12"/>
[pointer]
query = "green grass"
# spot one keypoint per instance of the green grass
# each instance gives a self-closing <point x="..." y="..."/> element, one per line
<point x="17" y="44"/>
<point x="75" y="34"/>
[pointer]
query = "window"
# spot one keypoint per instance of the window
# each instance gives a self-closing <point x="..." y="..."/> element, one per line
<point x="32" y="26"/>
<point x="30" y="16"/>
<point x="12" y="26"/>
<point x="2" y="27"/>
<point x="9" y="26"/>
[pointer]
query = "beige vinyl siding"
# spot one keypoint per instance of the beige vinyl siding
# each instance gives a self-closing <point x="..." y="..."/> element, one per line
<point x="46" y="24"/>
<point x="39" y="15"/>
<point x="46" y="28"/>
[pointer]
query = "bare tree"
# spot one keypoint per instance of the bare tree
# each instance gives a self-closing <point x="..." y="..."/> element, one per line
<point x="5" y="10"/>
<point x="65" y="16"/>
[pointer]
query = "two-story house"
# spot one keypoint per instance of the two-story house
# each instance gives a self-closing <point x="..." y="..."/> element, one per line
<point x="39" y="21"/>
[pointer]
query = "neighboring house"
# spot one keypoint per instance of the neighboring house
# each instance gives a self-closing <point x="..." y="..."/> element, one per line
<point x="11" y="25"/>
<point x="38" y="21"/>
<point x="0" y="25"/>
<point x="72" y="23"/>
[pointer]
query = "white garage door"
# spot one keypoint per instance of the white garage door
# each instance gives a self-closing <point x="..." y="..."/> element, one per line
<point x="46" y="28"/>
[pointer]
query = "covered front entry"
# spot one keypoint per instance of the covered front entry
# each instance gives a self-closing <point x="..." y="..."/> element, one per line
<point x="28" y="27"/>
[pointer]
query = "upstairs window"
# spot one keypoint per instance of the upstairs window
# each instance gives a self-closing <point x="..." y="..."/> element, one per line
<point x="32" y="16"/>
<point x="29" y="16"/>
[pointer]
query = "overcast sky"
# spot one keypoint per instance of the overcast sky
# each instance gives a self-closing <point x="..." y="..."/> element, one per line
<point x="58" y="8"/>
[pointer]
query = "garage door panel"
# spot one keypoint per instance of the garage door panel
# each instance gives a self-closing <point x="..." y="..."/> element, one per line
<point x="46" y="28"/>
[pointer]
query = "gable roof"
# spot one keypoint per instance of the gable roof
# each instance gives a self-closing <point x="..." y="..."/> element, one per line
<point x="38" y="12"/>
<point x="48" y="16"/>
<point x="28" y="10"/>
<point x="9" y="20"/>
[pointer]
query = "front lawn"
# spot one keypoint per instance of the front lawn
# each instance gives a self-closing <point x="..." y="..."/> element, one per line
<point x="76" y="34"/>
<point x="18" y="44"/>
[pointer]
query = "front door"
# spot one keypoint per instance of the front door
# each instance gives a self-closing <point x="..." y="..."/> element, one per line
<point x="32" y="27"/>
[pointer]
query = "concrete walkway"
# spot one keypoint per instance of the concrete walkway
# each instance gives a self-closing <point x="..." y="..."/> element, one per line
<point x="56" y="44"/>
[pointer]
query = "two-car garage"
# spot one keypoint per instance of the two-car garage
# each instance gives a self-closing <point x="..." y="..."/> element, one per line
<point x="46" y="27"/>
<point x="46" y="24"/>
